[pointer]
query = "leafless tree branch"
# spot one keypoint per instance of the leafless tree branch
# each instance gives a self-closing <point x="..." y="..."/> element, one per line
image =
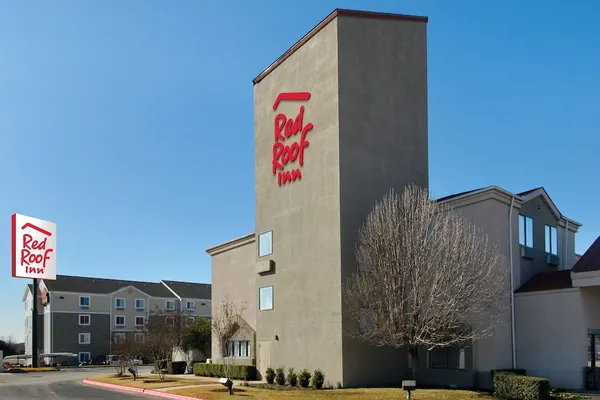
<point x="427" y="277"/>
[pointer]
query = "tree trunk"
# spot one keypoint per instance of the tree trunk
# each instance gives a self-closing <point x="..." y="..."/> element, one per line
<point x="414" y="355"/>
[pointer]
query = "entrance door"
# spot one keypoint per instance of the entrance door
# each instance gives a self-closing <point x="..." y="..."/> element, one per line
<point x="593" y="364"/>
<point x="264" y="356"/>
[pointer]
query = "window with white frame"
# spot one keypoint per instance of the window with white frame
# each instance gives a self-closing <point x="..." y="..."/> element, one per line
<point x="84" y="319"/>
<point x="84" y="301"/>
<point x="119" y="338"/>
<point x="85" y="338"/>
<point x="551" y="240"/>
<point x="525" y="231"/>
<point x="140" y="304"/>
<point x="139" y="337"/>
<point x="265" y="298"/>
<point x="170" y="321"/>
<point x="191" y="320"/>
<point x="85" y="356"/>
<point x="265" y="244"/>
<point x="190" y="305"/>
<point x="447" y="358"/>
<point x="139" y="320"/>
<point x="238" y="348"/>
<point x="120" y="304"/>
<point x="170" y="305"/>
<point x="119" y="320"/>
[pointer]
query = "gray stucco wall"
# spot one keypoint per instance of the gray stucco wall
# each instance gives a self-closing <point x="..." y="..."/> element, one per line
<point x="383" y="145"/>
<point x="66" y="329"/>
<point x="303" y="215"/>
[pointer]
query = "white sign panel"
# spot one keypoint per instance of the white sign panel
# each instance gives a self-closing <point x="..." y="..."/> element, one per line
<point x="33" y="248"/>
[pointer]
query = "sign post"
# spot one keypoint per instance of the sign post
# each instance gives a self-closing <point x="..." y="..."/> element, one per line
<point x="33" y="257"/>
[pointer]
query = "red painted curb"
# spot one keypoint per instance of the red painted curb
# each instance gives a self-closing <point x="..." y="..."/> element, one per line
<point x="149" y="392"/>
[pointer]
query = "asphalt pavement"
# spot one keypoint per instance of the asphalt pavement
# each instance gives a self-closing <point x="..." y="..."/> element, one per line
<point x="62" y="385"/>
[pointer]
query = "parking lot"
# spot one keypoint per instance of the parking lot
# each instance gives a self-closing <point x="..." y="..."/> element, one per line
<point x="61" y="385"/>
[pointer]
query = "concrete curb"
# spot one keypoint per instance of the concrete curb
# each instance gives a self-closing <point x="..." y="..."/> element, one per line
<point x="149" y="392"/>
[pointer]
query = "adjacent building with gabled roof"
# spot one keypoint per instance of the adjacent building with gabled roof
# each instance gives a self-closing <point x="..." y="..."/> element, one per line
<point x="82" y="315"/>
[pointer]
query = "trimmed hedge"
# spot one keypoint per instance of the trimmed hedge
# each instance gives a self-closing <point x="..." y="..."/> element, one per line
<point x="244" y="372"/>
<point x="511" y="386"/>
<point x="176" y="367"/>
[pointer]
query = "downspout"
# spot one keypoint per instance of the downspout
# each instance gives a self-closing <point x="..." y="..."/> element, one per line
<point x="566" y="238"/>
<point x="512" y="285"/>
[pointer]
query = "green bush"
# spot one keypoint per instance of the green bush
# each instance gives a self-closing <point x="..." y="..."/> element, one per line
<point x="292" y="378"/>
<point x="242" y="372"/>
<point x="280" y="376"/>
<point x="176" y="367"/>
<point x="304" y="378"/>
<point x="511" y="386"/>
<point x="270" y="375"/>
<point x="318" y="379"/>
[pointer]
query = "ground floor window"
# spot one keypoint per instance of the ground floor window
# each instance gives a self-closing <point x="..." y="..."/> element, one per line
<point x="447" y="358"/>
<point x="239" y="348"/>
<point x="85" y="356"/>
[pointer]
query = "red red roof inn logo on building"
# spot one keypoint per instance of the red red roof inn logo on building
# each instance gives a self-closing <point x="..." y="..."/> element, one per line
<point x="287" y="129"/>
<point x="33" y="248"/>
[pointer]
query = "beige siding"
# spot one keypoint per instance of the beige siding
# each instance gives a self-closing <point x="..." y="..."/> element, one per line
<point x="69" y="302"/>
<point x="234" y="276"/>
<point x="129" y="294"/>
<point x="552" y="335"/>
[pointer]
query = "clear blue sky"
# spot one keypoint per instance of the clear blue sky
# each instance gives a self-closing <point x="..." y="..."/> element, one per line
<point x="129" y="124"/>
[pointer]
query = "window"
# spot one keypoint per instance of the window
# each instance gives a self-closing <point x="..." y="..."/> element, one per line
<point x="119" y="338"/>
<point x="238" y="349"/>
<point x="265" y="244"/>
<point x="84" y="319"/>
<point x="265" y="298"/>
<point x="170" y="305"/>
<point x="551" y="240"/>
<point x="84" y="302"/>
<point x="191" y="320"/>
<point x="120" y="304"/>
<point x="85" y="338"/>
<point x="447" y="358"/>
<point x="140" y="304"/>
<point x="139" y="337"/>
<point x="85" y="356"/>
<point x="170" y="321"/>
<point x="190" y="305"/>
<point x="139" y="321"/>
<point x="119" y="320"/>
<point x="525" y="231"/>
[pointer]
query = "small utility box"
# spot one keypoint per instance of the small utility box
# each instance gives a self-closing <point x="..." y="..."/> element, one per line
<point x="227" y="383"/>
<point x="409" y="387"/>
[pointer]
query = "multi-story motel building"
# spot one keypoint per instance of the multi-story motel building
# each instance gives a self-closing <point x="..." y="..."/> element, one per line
<point x="339" y="120"/>
<point x="85" y="316"/>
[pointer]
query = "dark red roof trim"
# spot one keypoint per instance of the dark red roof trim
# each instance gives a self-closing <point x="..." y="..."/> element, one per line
<point x="323" y="24"/>
<point x="590" y="260"/>
<point x="554" y="280"/>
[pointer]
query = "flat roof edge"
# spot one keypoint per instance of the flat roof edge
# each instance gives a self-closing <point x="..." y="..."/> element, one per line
<point x="334" y="14"/>
<point x="231" y="244"/>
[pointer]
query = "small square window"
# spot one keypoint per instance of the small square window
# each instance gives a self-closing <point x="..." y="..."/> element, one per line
<point x="140" y="304"/>
<point x="84" y="301"/>
<point x="170" y="321"/>
<point x="139" y="337"/>
<point x="170" y="305"/>
<point x="190" y="305"/>
<point x="265" y="298"/>
<point x="120" y="320"/>
<point x="84" y="319"/>
<point x="85" y="338"/>
<point x="119" y="338"/>
<point x="139" y="321"/>
<point x="85" y="357"/>
<point x="265" y="244"/>
<point x="120" y="304"/>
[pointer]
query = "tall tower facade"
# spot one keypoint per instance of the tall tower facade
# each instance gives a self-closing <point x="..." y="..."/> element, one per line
<point x="339" y="120"/>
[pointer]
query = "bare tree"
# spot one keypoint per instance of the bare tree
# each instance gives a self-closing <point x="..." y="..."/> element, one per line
<point x="225" y="323"/>
<point x="427" y="278"/>
<point x="128" y="347"/>
<point x="162" y="335"/>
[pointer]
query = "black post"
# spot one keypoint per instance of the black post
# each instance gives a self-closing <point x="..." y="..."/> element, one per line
<point x="35" y="360"/>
